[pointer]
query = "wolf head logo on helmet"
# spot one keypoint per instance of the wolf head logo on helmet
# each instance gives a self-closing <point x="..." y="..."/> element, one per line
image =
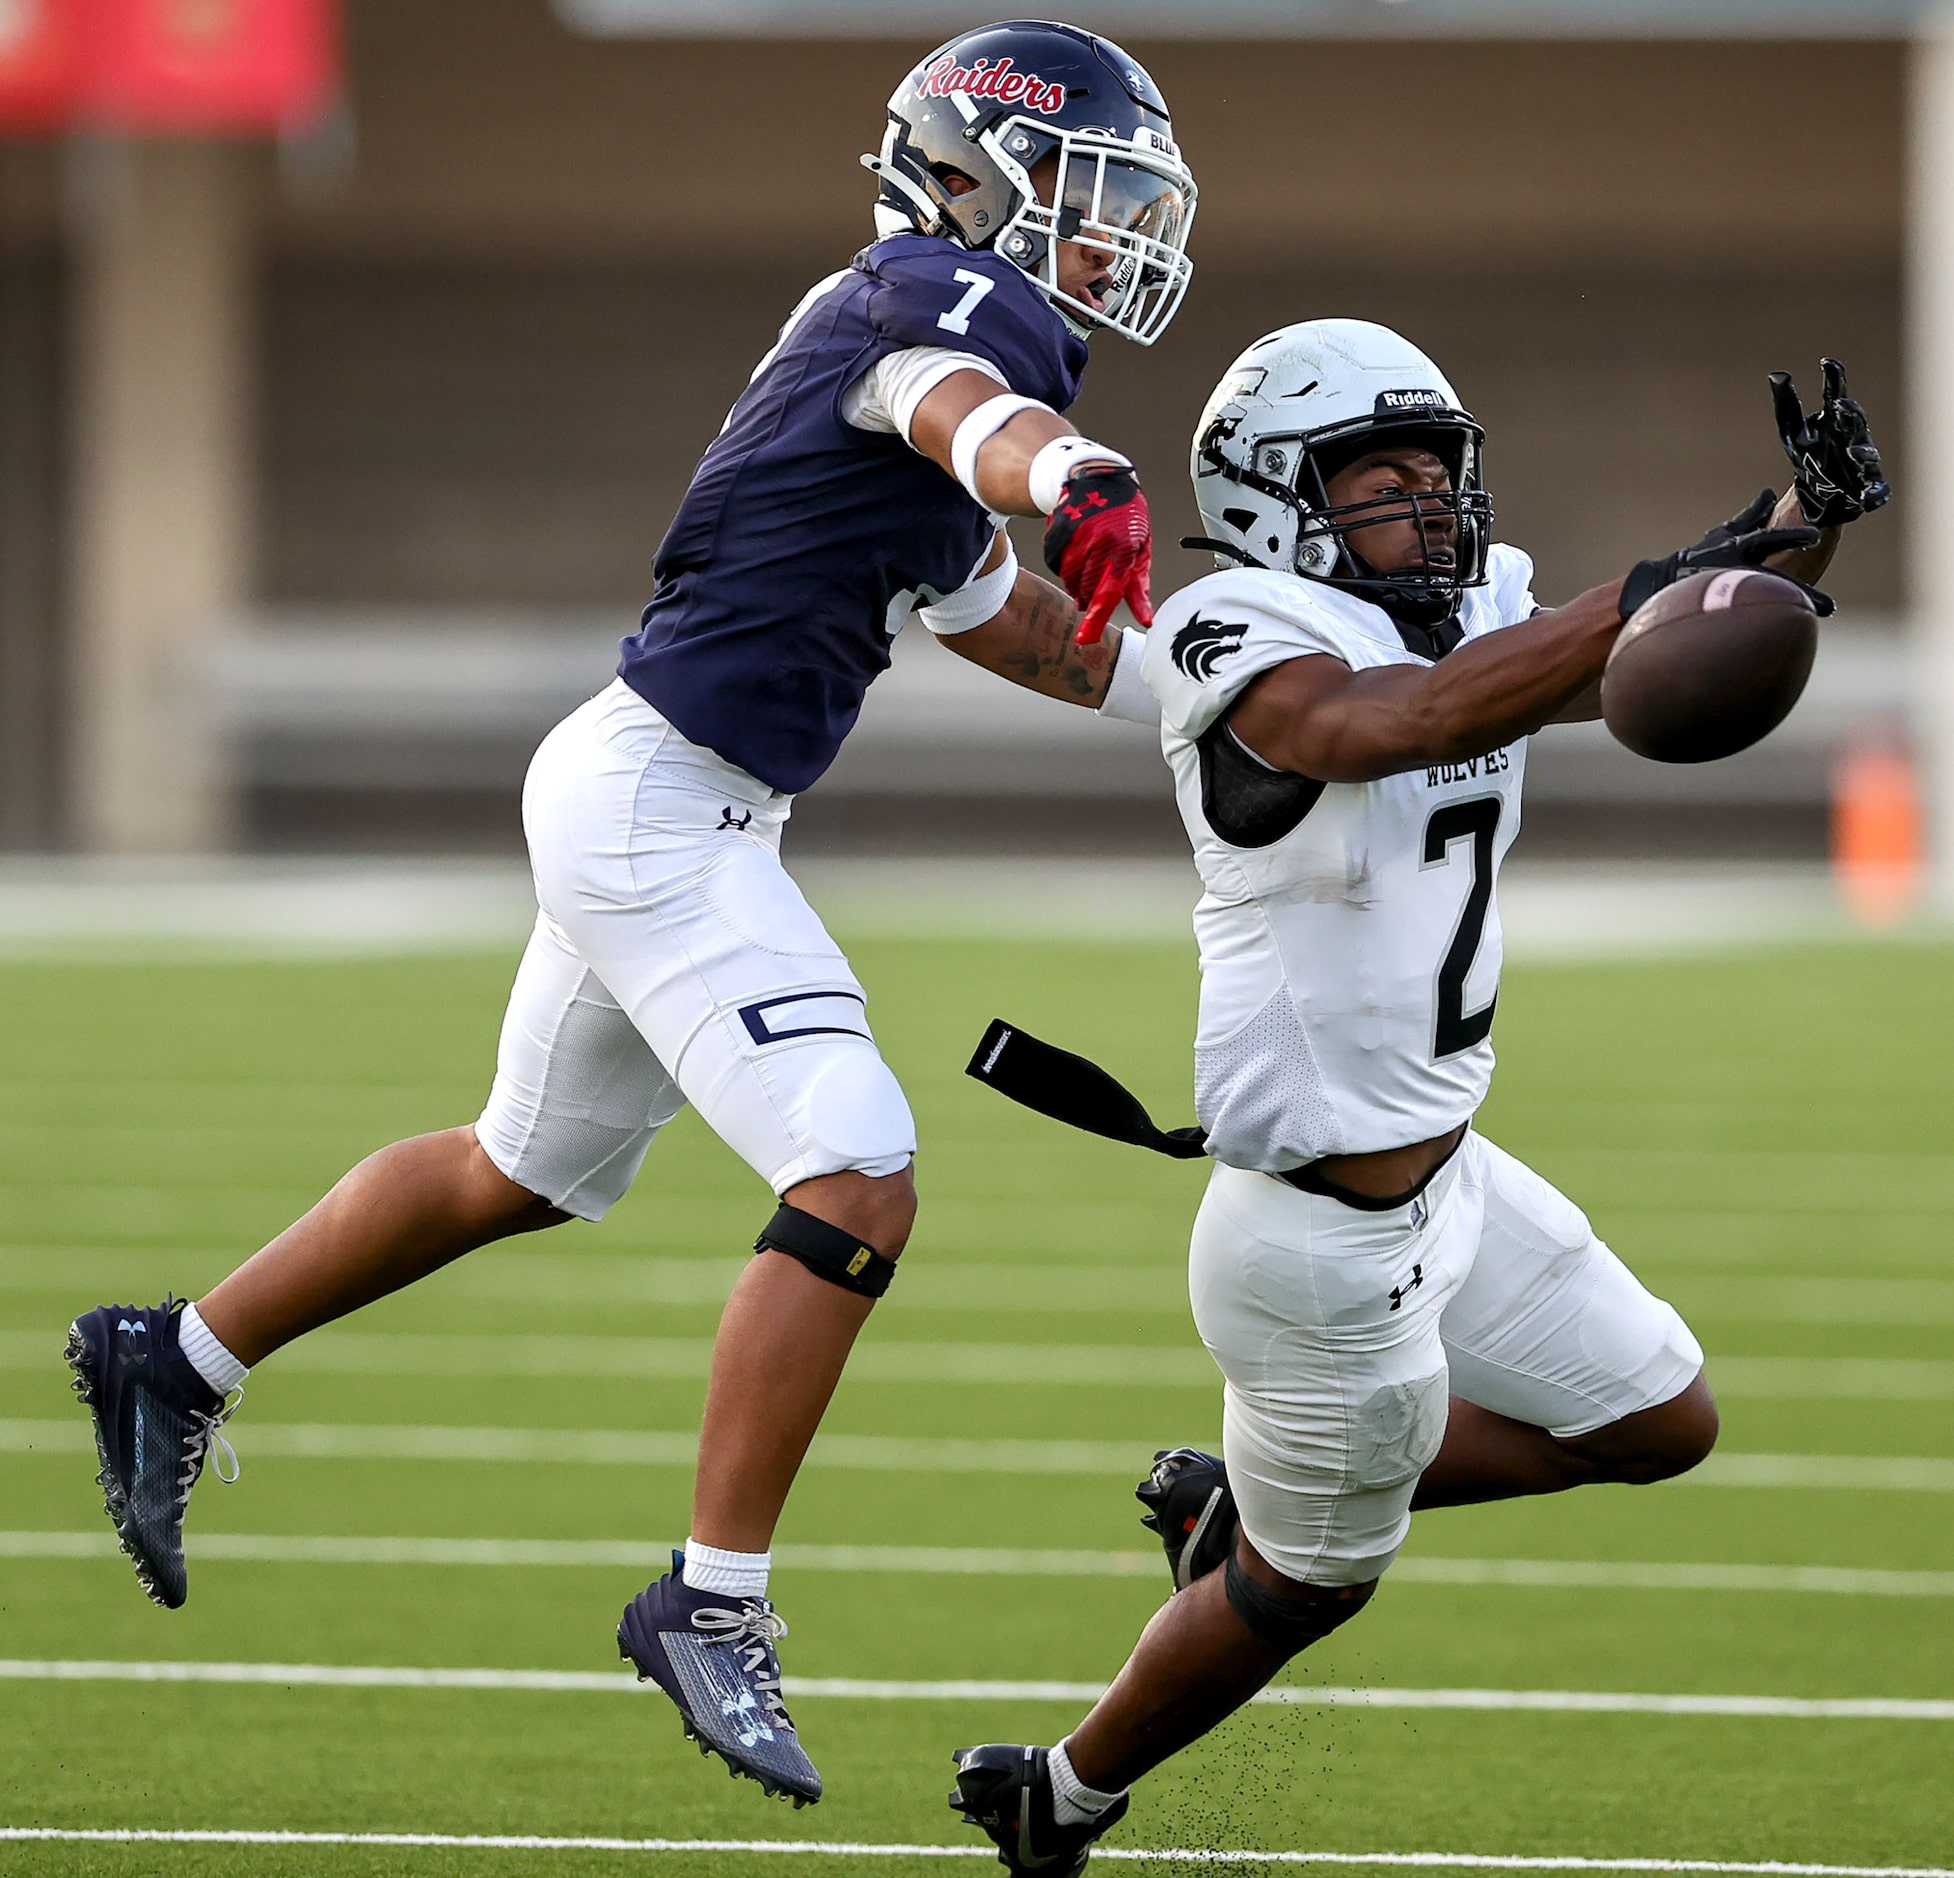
<point x="1063" y="137"/>
<point x="1299" y="405"/>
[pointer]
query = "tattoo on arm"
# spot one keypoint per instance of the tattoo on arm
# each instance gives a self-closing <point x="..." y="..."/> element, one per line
<point x="1030" y="643"/>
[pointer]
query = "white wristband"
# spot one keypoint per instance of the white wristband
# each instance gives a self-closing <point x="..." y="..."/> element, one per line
<point x="1058" y="459"/>
<point x="978" y="428"/>
<point x="1128" y="696"/>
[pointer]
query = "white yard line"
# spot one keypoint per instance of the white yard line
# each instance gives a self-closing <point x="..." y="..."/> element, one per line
<point x="607" y="1447"/>
<point x="261" y="908"/>
<point x="1075" y="1290"/>
<point x="1868" y="1378"/>
<point x="848" y="1689"/>
<point x="389" y="1353"/>
<point x="985" y="1562"/>
<point x="830" y="1848"/>
<point x="921" y="1454"/>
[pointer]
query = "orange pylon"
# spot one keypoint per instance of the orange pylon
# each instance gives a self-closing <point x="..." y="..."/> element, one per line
<point x="1878" y="855"/>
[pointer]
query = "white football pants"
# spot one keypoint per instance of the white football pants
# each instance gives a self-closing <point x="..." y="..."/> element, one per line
<point x="674" y="960"/>
<point x="1342" y="1332"/>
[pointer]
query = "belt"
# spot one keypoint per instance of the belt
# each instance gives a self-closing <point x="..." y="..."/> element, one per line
<point x="1307" y="1180"/>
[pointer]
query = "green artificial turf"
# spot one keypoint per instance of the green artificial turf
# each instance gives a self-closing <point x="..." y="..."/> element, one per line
<point x="1765" y="1137"/>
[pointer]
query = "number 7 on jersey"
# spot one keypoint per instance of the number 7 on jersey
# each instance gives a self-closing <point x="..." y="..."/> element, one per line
<point x="957" y="320"/>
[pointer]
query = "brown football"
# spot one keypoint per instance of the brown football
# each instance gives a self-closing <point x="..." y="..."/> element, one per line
<point x="1709" y="665"/>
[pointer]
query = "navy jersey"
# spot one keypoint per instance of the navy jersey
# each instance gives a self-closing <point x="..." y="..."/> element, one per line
<point x="803" y="543"/>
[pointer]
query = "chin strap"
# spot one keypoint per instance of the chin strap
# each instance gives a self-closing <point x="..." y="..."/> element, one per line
<point x="1196" y="543"/>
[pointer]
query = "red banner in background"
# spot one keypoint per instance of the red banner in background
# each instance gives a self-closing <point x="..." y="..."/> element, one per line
<point x="41" y="63"/>
<point x="167" y="67"/>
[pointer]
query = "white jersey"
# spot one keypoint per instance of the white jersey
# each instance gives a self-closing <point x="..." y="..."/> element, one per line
<point x="1350" y="941"/>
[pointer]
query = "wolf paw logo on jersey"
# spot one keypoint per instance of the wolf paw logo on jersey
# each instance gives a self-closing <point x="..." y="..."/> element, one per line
<point x="1202" y="644"/>
<point x="988" y="79"/>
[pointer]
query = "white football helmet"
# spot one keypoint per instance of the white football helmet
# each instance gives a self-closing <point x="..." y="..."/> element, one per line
<point x="1297" y="406"/>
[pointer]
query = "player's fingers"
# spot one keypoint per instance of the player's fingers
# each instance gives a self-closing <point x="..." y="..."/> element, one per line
<point x="1755" y="515"/>
<point x="1834" y="380"/>
<point x="1786" y="406"/>
<point x="1139" y="602"/>
<point x="1769" y="541"/>
<point x="1096" y="611"/>
<point x="1080" y="576"/>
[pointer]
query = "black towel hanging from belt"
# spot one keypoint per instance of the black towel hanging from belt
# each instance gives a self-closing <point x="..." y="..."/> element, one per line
<point x="1073" y="1090"/>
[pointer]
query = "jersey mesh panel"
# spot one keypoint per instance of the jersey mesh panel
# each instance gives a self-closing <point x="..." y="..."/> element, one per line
<point x="1260" y="1094"/>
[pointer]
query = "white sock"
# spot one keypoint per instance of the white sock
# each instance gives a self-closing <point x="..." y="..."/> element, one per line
<point x="1073" y="1802"/>
<point x="208" y="1357"/>
<point x="731" y="1574"/>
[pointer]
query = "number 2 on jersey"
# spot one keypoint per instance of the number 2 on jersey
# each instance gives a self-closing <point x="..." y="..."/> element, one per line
<point x="957" y="320"/>
<point x="1476" y="820"/>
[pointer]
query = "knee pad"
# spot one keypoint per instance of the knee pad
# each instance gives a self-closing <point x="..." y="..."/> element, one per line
<point x="1291" y="1624"/>
<point x="852" y="1117"/>
<point x="827" y="1252"/>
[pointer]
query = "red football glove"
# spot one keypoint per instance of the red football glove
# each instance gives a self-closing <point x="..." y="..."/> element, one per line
<point x="1099" y="542"/>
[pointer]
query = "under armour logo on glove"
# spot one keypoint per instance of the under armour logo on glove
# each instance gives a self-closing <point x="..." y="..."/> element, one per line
<point x="1099" y="542"/>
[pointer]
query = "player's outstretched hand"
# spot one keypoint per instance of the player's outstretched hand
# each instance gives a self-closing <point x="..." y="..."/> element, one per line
<point x="1839" y="472"/>
<point x="1099" y="542"/>
<point x="1743" y="541"/>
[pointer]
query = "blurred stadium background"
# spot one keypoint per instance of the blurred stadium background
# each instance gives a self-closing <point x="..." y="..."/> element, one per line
<point x="334" y="461"/>
<point x="351" y="359"/>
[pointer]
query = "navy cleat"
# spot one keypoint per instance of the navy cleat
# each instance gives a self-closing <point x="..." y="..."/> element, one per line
<point x="1007" y="1791"/>
<point x="1189" y="1505"/>
<point x="156" y="1421"/>
<point x="715" y="1658"/>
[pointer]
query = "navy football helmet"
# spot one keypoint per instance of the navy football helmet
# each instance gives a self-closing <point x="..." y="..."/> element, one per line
<point x="996" y="104"/>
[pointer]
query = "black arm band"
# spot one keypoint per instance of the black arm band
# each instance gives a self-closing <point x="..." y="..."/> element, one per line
<point x="827" y="1251"/>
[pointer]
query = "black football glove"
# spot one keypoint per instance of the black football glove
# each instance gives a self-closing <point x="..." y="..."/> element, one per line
<point x="1839" y="474"/>
<point x="1743" y="541"/>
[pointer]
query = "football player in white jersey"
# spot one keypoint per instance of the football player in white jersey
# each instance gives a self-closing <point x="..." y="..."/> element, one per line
<point x="1404" y="1315"/>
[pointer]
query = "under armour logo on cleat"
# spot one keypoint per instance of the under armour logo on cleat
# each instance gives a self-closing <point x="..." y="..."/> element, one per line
<point x="738" y="823"/>
<point x="742" y="1707"/>
<point x="133" y="1329"/>
<point x="1400" y="1292"/>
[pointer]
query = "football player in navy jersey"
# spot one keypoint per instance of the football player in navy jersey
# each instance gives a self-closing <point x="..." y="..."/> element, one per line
<point x="1030" y="194"/>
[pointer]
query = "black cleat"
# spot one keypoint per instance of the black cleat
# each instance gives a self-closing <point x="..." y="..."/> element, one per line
<point x="715" y="1658"/>
<point x="1189" y="1505"/>
<point x="156" y="1421"/>
<point x="1007" y="1791"/>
